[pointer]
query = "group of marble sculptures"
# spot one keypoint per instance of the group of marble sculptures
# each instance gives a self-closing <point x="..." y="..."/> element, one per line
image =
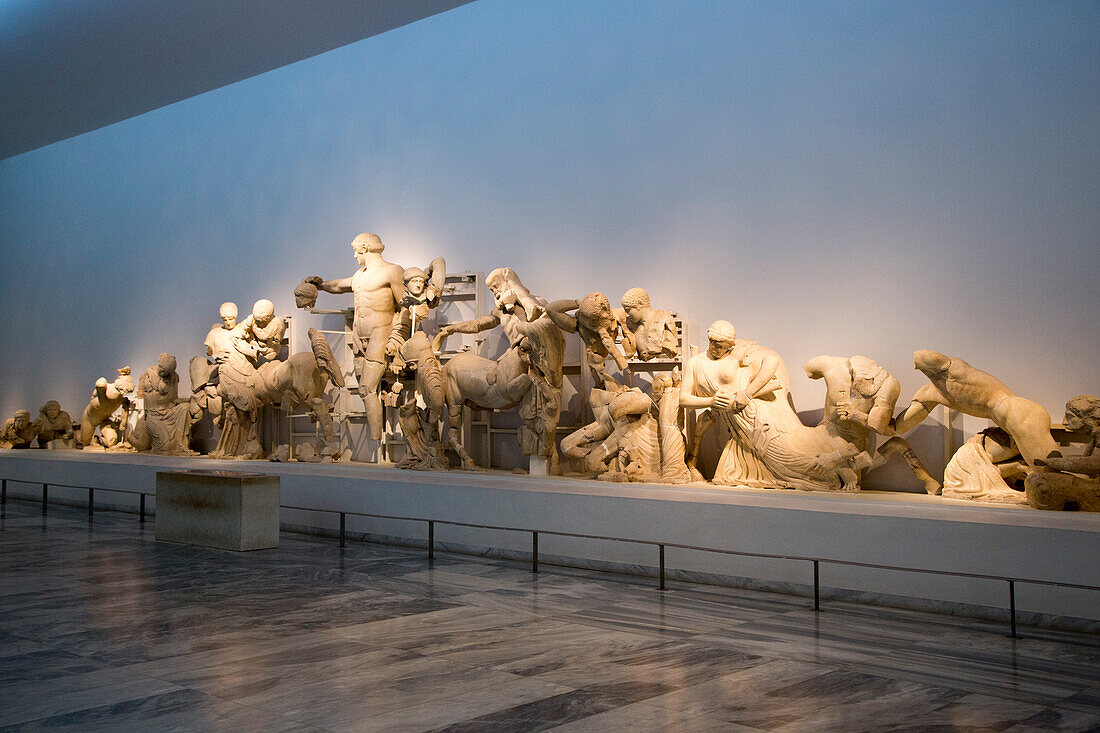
<point x="738" y="389"/>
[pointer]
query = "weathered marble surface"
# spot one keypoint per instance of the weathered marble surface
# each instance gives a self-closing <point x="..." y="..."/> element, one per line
<point x="101" y="628"/>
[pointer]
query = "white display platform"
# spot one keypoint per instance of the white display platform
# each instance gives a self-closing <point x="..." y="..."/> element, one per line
<point x="894" y="529"/>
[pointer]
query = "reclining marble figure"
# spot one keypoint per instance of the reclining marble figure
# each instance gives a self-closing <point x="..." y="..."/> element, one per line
<point x="1072" y="482"/>
<point x="106" y="399"/>
<point x="18" y="431"/>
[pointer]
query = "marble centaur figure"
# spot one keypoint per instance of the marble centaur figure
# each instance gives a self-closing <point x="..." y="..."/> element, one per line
<point x="596" y="324"/>
<point x="377" y="289"/>
<point x="860" y="397"/>
<point x="18" y="431"/>
<point x="52" y="424"/>
<point x="165" y="422"/>
<point x="108" y="398"/>
<point x="647" y="333"/>
<point x="745" y="386"/>
<point x="529" y="374"/>
<point x="1072" y="482"/>
<point x="250" y="376"/>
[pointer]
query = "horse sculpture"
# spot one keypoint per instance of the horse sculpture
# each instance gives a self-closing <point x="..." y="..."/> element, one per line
<point x="484" y="384"/>
<point x="300" y="382"/>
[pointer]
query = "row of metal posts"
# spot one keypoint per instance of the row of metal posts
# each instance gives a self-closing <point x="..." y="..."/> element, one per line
<point x="534" y="547"/>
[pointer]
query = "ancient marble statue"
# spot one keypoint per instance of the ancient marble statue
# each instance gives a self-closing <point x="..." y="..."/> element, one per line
<point x="18" y="431"/>
<point x="249" y="377"/>
<point x="596" y="324"/>
<point x="52" y="424"/>
<point x="959" y="386"/>
<point x="423" y="290"/>
<point x="237" y="355"/>
<point x="106" y="399"/>
<point x="623" y="421"/>
<point x="860" y="397"/>
<point x="537" y="351"/>
<point x="265" y="330"/>
<point x="1071" y="482"/>
<point x="421" y="376"/>
<point x="634" y="436"/>
<point x="980" y="467"/>
<point x="648" y="333"/>
<point x="164" y="424"/>
<point x="377" y="289"/>
<point x="745" y="386"/>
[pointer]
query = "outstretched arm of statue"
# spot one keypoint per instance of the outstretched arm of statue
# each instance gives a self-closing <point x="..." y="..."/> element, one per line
<point x="340" y="285"/>
<point x="558" y="312"/>
<point x="476" y="325"/>
<point x="926" y="398"/>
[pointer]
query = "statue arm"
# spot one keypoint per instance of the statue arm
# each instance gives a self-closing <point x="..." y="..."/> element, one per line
<point x="340" y="285"/>
<point x="878" y="419"/>
<point x="476" y="325"/>
<point x="559" y="315"/>
<point x="687" y="399"/>
<point x="437" y="278"/>
<point x="922" y="403"/>
<point x="759" y="386"/>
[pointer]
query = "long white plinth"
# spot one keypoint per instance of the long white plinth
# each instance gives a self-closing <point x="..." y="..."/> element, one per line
<point x="908" y="530"/>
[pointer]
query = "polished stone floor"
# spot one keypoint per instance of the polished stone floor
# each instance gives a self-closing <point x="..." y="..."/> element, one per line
<point x="102" y="628"/>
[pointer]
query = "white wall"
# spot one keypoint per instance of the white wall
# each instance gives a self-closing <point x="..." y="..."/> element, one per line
<point x="862" y="178"/>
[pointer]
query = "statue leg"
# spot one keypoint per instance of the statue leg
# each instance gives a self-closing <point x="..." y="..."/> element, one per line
<point x="324" y="418"/>
<point x="702" y="426"/>
<point x="897" y="444"/>
<point x="1029" y="425"/>
<point x="87" y="431"/>
<point x="454" y="434"/>
<point x="370" y="379"/>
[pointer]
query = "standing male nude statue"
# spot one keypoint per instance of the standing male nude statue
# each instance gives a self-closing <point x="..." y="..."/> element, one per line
<point x="377" y="288"/>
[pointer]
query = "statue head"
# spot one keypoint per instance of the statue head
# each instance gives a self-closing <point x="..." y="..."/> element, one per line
<point x="22" y="418"/>
<point x="166" y="365"/>
<point x="930" y="362"/>
<point x="722" y="337"/>
<point x="415" y="280"/>
<point x="365" y="243"/>
<point x="504" y="282"/>
<point x="51" y="409"/>
<point x="305" y="295"/>
<point x="228" y="313"/>
<point x="594" y="313"/>
<point x="636" y="302"/>
<point x="263" y="311"/>
<point x="1083" y="413"/>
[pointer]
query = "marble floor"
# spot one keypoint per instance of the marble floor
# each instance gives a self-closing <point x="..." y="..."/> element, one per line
<point x="102" y="628"/>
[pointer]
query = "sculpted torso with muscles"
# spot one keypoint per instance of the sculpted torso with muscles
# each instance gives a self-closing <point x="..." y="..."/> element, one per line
<point x="959" y="386"/>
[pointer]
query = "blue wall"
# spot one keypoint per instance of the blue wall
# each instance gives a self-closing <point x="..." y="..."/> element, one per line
<point x="831" y="177"/>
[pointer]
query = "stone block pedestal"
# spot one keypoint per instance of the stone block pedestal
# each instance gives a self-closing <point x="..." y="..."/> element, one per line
<point x="224" y="509"/>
